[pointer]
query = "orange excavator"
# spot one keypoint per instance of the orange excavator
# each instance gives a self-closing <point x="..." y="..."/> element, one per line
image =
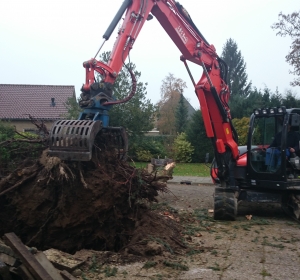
<point x="256" y="172"/>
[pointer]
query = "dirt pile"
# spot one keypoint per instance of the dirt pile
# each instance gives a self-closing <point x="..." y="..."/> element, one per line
<point x="97" y="205"/>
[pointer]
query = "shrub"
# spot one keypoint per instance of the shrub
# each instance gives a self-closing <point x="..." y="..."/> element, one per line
<point x="144" y="148"/>
<point x="11" y="154"/>
<point x="143" y="155"/>
<point x="7" y="131"/>
<point x="183" y="149"/>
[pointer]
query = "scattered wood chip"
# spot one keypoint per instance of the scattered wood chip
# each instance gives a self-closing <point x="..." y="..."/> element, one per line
<point x="62" y="260"/>
<point x="66" y="275"/>
<point x="170" y="166"/>
<point x="189" y="239"/>
<point x="210" y="210"/>
<point x="48" y="266"/>
<point x="248" y="217"/>
<point x="8" y="260"/>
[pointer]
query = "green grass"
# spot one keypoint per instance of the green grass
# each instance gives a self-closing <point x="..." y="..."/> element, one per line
<point x="149" y="264"/>
<point x="176" y="266"/>
<point x="184" y="169"/>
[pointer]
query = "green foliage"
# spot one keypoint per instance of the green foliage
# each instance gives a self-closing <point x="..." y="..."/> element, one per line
<point x="192" y="169"/>
<point x="108" y="271"/>
<point x="184" y="169"/>
<point x="6" y="132"/>
<point x="143" y="148"/>
<point x="94" y="266"/>
<point x="183" y="149"/>
<point x="13" y="152"/>
<point x="261" y="99"/>
<point x="136" y="115"/>
<point x="181" y="115"/>
<point x="162" y="242"/>
<point x="216" y="267"/>
<point x="149" y="264"/>
<point x="241" y="126"/>
<point x="143" y="155"/>
<point x="196" y="135"/>
<point x="177" y="266"/>
<point x="237" y="76"/>
<point x="290" y="100"/>
<point x="73" y="109"/>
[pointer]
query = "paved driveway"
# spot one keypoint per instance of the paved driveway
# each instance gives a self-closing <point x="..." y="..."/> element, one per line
<point x="265" y="247"/>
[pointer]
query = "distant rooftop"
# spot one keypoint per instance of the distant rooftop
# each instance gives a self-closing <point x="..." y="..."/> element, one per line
<point x="39" y="101"/>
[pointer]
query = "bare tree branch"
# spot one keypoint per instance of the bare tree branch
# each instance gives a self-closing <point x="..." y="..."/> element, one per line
<point x="289" y="25"/>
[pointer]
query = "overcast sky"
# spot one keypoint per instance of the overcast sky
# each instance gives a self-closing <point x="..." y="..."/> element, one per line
<point x="45" y="42"/>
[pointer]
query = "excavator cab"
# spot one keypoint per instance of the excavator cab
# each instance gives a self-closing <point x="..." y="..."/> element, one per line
<point x="272" y="133"/>
<point x="266" y="170"/>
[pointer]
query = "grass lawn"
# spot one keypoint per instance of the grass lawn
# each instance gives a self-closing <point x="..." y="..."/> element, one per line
<point x="185" y="169"/>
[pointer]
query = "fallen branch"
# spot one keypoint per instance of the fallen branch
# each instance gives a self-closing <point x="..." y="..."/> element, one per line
<point x="18" y="184"/>
<point x="178" y="242"/>
<point x="23" y="140"/>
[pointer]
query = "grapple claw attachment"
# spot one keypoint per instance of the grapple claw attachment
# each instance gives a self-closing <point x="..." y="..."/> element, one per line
<point x="113" y="139"/>
<point x="73" y="139"/>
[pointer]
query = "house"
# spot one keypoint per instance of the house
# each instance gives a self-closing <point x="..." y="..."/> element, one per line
<point x="42" y="102"/>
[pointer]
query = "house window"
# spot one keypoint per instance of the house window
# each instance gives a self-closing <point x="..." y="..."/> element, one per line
<point x="31" y="130"/>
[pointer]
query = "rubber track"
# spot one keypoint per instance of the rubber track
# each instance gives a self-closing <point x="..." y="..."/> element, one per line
<point x="225" y="205"/>
<point x="291" y="206"/>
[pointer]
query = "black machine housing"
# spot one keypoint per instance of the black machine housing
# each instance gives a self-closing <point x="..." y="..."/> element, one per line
<point x="264" y="174"/>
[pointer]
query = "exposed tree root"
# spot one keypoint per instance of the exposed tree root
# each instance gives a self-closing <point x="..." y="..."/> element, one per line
<point x="93" y="205"/>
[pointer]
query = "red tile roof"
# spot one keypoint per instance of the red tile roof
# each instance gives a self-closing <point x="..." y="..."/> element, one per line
<point x="19" y="101"/>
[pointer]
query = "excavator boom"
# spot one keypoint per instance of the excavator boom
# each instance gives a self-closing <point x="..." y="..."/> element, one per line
<point x="97" y="97"/>
<point x="242" y="173"/>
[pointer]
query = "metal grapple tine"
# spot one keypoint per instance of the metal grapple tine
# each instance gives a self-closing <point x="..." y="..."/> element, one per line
<point x="73" y="139"/>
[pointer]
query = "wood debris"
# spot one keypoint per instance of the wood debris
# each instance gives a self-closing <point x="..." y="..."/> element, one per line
<point x="28" y="263"/>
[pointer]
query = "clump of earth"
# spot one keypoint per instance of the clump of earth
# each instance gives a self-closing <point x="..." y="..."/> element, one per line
<point x="101" y="205"/>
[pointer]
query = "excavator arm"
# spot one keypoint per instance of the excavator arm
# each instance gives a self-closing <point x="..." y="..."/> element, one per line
<point x="211" y="89"/>
<point x="91" y="135"/>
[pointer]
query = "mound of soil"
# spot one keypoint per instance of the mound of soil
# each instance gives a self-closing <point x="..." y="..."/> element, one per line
<point x="99" y="205"/>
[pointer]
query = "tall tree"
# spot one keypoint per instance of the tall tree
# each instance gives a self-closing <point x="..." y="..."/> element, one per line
<point x="275" y="99"/>
<point x="290" y="100"/>
<point x="73" y="109"/>
<point x="136" y="115"/>
<point x="181" y="115"/>
<point x="237" y="76"/>
<point x="255" y="99"/>
<point x="196" y="135"/>
<point x="170" y="85"/>
<point x="171" y="89"/>
<point x="289" y="25"/>
<point x="242" y="127"/>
